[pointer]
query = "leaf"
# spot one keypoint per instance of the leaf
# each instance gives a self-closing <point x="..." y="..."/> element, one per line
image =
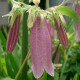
<point x="56" y="76"/>
<point x="64" y="10"/>
<point x="3" y="41"/>
<point x="75" y="77"/>
<point x="69" y="25"/>
<point x="7" y="78"/>
<point x="11" y="64"/>
<point x="9" y="67"/>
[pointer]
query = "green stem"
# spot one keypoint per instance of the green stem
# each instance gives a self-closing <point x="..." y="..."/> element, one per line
<point x="47" y="4"/>
<point x="63" y="69"/>
<point x="22" y="66"/>
<point x="25" y="43"/>
<point x="64" y="65"/>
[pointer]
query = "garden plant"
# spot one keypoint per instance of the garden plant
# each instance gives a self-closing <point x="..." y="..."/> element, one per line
<point x="40" y="44"/>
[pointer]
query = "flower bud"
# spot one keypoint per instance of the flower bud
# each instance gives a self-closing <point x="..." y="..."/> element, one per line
<point x="61" y="33"/>
<point x="13" y="35"/>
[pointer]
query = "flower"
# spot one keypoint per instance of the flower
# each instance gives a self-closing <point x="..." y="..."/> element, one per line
<point x="61" y="33"/>
<point x="41" y="48"/>
<point x="77" y="9"/>
<point x="51" y="30"/>
<point x="13" y="35"/>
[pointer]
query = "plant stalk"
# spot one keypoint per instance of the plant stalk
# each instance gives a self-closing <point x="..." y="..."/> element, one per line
<point x="25" y="43"/>
<point x="47" y="4"/>
<point x="22" y="66"/>
<point x="64" y="65"/>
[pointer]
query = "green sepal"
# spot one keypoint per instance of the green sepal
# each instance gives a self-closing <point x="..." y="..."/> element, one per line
<point x="57" y="18"/>
<point x="14" y="15"/>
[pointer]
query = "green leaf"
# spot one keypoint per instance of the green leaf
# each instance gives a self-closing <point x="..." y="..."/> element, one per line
<point x="7" y="78"/>
<point x="9" y="67"/>
<point x="69" y="25"/>
<point x="3" y="41"/>
<point x="24" y="45"/>
<point x="71" y="36"/>
<point x="64" y="10"/>
<point x="56" y="76"/>
<point x="24" y="42"/>
<point x="75" y="77"/>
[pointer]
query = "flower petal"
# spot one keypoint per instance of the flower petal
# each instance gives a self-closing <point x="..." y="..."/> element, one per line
<point x="77" y="9"/>
<point x="50" y="30"/>
<point x="13" y="35"/>
<point x="47" y="49"/>
<point x="36" y="49"/>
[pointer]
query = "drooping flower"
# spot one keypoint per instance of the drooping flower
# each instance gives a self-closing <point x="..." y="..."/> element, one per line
<point x="61" y="33"/>
<point x="41" y="49"/>
<point x="51" y="30"/>
<point x="13" y="35"/>
<point x="77" y="9"/>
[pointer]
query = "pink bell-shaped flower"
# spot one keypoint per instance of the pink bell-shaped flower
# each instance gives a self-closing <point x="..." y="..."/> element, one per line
<point x="51" y="30"/>
<point x="41" y="48"/>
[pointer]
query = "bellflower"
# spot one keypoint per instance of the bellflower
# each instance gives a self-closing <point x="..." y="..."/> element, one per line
<point x="61" y="33"/>
<point x="51" y="30"/>
<point x="41" y="48"/>
<point x="13" y="35"/>
<point x="77" y="9"/>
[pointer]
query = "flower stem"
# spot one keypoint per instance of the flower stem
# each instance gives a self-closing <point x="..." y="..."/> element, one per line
<point x="47" y="4"/>
<point x="22" y="66"/>
<point x="64" y="65"/>
<point x="25" y="43"/>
